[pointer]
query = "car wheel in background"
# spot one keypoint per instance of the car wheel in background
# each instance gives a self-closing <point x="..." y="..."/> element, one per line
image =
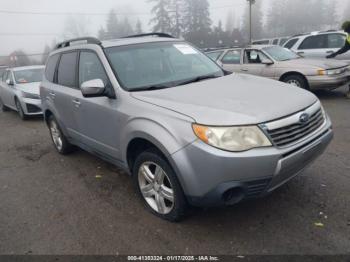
<point x="159" y="187"/>
<point x="59" y="140"/>
<point x="20" y="111"/>
<point x="296" y="80"/>
<point x="3" y="108"/>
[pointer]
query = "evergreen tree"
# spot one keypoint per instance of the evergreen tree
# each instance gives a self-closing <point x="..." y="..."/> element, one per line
<point x="112" y="26"/>
<point x="197" y="16"/>
<point x="161" y="21"/>
<point x="138" y="29"/>
<point x="230" y="22"/>
<point x="346" y="16"/>
<point x="125" y="28"/>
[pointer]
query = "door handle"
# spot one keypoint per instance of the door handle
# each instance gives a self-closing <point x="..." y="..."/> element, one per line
<point x="329" y="52"/>
<point x="301" y="53"/>
<point x="76" y="102"/>
<point x="244" y="70"/>
<point x="52" y="94"/>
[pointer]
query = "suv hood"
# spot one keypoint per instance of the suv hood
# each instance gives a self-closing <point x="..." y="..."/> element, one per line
<point x="231" y="100"/>
<point x="32" y="88"/>
<point x="318" y="63"/>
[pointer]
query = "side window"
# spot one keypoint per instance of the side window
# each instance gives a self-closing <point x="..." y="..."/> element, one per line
<point x="275" y="42"/>
<point x="90" y="68"/>
<point x="51" y="67"/>
<point x="291" y="43"/>
<point x="254" y="57"/>
<point x="315" y="42"/>
<point x="66" y="74"/>
<point x="232" y="57"/>
<point x="215" y="55"/>
<point x="336" y="40"/>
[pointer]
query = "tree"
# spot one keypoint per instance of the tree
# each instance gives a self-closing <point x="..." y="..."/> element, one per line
<point x="161" y="21"/>
<point x="346" y="16"/>
<point x="46" y="52"/>
<point x="112" y="26"/>
<point x="138" y="29"/>
<point x="102" y="34"/>
<point x="197" y="16"/>
<point x="75" y="27"/>
<point x="230" y="22"/>
<point x="125" y="28"/>
<point x="18" y="58"/>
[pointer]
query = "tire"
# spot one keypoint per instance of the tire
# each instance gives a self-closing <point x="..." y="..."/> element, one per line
<point x="159" y="189"/>
<point x="58" y="138"/>
<point x="20" y="111"/>
<point x="3" y="108"/>
<point x="297" y="80"/>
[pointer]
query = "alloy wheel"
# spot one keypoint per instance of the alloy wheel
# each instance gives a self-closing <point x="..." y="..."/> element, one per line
<point x="56" y="135"/>
<point x="156" y="188"/>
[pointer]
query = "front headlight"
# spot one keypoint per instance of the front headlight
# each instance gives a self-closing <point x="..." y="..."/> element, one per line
<point x="31" y="96"/>
<point x="331" y="72"/>
<point x="234" y="139"/>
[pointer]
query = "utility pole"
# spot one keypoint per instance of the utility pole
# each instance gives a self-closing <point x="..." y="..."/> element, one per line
<point x="251" y="3"/>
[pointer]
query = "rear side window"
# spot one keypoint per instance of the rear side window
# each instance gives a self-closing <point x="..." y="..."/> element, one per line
<point x="291" y="43"/>
<point x="51" y="67"/>
<point x="232" y="57"/>
<point x="315" y="42"/>
<point x="275" y="42"/>
<point x="215" y="55"/>
<point x="336" y="40"/>
<point x="66" y="74"/>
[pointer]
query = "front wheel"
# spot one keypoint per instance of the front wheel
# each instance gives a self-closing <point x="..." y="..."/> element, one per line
<point x="297" y="80"/>
<point x="159" y="187"/>
<point x="20" y="111"/>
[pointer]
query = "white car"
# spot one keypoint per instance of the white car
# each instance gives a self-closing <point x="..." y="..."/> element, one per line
<point x="318" y="44"/>
<point x="19" y="90"/>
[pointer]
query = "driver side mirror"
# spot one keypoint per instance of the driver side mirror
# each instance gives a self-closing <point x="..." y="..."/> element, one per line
<point x="9" y="82"/>
<point x="92" y="88"/>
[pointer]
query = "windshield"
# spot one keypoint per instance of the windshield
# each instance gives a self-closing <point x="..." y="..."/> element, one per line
<point x="280" y="54"/>
<point x="29" y="75"/>
<point x="160" y="65"/>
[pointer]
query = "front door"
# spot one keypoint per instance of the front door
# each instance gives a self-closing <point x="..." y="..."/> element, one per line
<point x="253" y="63"/>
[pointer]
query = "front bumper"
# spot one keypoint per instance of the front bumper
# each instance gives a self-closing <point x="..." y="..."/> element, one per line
<point x="212" y="177"/>
<point x="31" y="107"/>
<point x="327" y="82"/>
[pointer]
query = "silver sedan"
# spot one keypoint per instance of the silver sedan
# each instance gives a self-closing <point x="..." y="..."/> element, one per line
<point x="284" y="65"/>
<point x="19" y="90"/>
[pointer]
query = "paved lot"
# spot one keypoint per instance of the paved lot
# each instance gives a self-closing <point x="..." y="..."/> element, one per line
<point x="51" y="204"/>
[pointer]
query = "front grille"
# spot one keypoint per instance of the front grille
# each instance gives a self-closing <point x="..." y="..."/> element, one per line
<point x="33" y="108"/>
<point x="257" y="187"/>
<point x="295" y="132"/>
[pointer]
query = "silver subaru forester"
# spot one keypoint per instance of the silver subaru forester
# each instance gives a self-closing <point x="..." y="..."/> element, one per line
<point x="187" y="131"/>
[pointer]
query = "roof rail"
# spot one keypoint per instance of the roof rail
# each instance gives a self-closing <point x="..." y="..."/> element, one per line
<point x="150" y="34"/>
<point x="89" y="40"/>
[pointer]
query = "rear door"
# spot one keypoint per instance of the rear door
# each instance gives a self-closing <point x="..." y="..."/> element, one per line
<point x="231" y="61"/>
<point x="65" y="92"/>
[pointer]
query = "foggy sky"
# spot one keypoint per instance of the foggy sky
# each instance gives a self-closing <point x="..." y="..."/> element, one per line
<point x="53" y="25"/>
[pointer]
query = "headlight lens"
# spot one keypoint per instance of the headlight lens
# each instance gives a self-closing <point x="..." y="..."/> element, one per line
<point x="31" y="96"/>
<point x="234" y="139"/>
<point x="332" y="72"/>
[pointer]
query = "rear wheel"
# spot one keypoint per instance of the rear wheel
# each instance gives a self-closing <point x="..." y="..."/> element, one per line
<point x="20" y="111"/>
<point x="158" y="186"/>
<point x="3" y="107"/>
<point x="59" y="140"/>
<point x="296" y="80"/>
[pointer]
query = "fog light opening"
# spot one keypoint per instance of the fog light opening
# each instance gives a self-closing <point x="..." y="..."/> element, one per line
<point x="233" y="196"/>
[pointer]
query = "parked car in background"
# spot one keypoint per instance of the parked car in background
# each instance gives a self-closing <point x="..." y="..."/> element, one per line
<point x="2" y="71"/>
<point x="281" y="64"/>
<point x="319" y="44"/>
<point x="19" y="90"/>
<point x="272" y="41"/>
<point x="186" y="130"/>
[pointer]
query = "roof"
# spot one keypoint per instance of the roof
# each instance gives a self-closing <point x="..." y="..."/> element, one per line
<point x="137" y="40"/>
<point x="20" y="68"/>
<point x="248" y="46"/>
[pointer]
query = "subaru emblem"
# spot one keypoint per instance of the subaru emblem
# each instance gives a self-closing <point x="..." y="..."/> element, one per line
<point x="304" y="118"/>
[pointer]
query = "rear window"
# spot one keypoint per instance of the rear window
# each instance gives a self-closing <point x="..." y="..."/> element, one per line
<point x="291" y="43"/>
<point x="215" y="55"/>
<point x="66" y="74"/>
<point x="51" y="67"/>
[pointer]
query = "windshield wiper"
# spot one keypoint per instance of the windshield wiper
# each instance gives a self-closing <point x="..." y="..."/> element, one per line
<point x="149" y="88"/>
<point x="198" y="79"/>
